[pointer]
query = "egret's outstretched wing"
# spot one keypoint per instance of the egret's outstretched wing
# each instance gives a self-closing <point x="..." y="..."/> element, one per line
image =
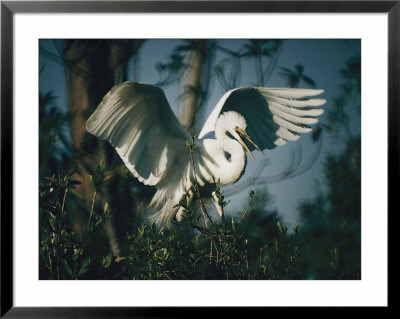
<point x="273" y="115"/>
<point x="137" y="120"/>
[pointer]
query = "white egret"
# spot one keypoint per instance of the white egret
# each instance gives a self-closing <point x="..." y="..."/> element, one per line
<point x="137" y="120"/>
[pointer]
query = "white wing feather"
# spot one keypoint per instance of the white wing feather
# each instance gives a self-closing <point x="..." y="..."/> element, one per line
<point x="137" y="120"/>
<point x="273" y="115"/>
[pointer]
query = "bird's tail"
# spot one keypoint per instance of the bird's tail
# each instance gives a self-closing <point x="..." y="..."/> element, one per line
<point x="164" y="213"/>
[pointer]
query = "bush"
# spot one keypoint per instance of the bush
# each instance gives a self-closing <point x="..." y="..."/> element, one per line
<point x="231" y="250"/>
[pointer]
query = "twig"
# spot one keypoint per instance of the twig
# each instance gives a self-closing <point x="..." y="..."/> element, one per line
<point x="248" y="206"/>
<point x="211" y="242"/>
<point x="200" y="229"/>
<point x="91" y="210"/>
<point x="198" y="259"/>
<point x="63" y="206"/>
<point x="192" y="226"/>
<point x="63" y="203"/>
<point x="294" y="169"/>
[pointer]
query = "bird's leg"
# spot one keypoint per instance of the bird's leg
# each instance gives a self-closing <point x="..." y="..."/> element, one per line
<point x="219" y="207"/>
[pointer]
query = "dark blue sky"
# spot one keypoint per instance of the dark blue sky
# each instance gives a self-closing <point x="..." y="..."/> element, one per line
<point x="322" y="59"/>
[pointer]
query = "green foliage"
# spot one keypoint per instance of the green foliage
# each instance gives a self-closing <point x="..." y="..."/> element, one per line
<point x="220" y="253"/>
<point x="332" y="220"/>
<point x="219" y="193"/>
<point x="275" y="248"/>
<point x="64" y="254"/>
<point x="98" y="176"/>
<point x="187" y="251"/>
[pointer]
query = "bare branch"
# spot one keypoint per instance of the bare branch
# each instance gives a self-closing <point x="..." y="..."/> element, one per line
<point x="248" y="206"/>
<point x="292" y="170"/>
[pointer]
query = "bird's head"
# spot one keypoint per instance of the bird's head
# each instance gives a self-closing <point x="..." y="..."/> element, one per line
<point x="233" y="125"/>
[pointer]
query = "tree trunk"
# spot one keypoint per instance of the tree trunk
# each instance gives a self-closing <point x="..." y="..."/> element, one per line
<point x="93" y="67"/>
<point x="194" y="85"/>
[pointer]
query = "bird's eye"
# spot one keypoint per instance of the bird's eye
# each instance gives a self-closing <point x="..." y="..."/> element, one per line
<point x="227" y="156"/>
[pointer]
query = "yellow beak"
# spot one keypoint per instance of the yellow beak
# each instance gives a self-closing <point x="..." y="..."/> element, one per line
<point x="242" y="133"/>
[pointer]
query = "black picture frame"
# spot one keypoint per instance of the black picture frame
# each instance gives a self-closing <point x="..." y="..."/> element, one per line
<point x="9" y="8"/>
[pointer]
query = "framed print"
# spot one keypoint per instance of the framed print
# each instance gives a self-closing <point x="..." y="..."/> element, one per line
<point x="164" y="155"/>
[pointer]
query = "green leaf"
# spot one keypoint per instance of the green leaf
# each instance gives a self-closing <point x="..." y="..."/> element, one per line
<point x="52" y="221"/>
<point x="66" y="267"/>
<point x="106" y="261"/>
<point x="105" y="208"/>
<point x="189" y="203"/>
<point x="233" y="224"/>
<point x="280" y="228"/>
<point x="276" y="244"/>
<point x="91" y="180"/>
<point x="84" y="267"/>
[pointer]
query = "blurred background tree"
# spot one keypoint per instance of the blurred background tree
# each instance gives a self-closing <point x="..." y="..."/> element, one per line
<point x="195" y="67"/>
<point x="332" y="220"/>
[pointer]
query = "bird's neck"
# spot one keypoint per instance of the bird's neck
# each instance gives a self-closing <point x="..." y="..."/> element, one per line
<point x="231" y="169"/>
